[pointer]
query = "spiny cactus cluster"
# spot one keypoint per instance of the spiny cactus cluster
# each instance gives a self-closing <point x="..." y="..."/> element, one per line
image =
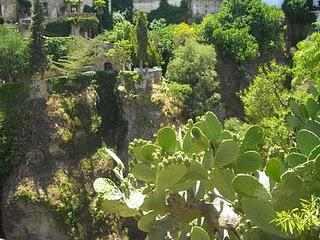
<point x="175" y="182"/>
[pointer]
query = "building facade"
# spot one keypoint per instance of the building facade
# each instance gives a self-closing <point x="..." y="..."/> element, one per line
<point x="199" y="8"/>
<point x="13" y="11"/>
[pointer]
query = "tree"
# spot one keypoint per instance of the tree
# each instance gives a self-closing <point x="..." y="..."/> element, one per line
<point x="299" y="11"/>
<point x="100" y="5"/>
<point x="38" y="58"/>
<point x="268" y="95"/>
<point x="194" y="64"/>
<point x="307" y="61"/>
<point x="140" y="38"/>
<point x="121" y="53"/>
<point x="14" y="62"/>
<point x="263" y="22"/>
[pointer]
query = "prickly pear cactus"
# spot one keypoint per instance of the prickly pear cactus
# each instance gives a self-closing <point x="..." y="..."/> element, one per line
<point x="176" y="182"/>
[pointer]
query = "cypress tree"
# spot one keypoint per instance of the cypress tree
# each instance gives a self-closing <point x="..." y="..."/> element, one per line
<point x="38" y="59"/>
<point x="141" y="38"/>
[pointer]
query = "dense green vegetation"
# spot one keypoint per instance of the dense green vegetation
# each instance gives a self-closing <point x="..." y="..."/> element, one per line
<point x="258" y="163"/>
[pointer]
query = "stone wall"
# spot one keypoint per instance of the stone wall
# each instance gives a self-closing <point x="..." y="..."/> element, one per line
<point x="199" y="8"/>
<point x="202" y="8"/>
<point x="149" y="5"/>
<point x="9" y="10"/>
<point x="56" y="8"/>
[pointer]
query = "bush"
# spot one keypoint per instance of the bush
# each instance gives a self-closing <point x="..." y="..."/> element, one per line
<point x="14" y="57"/>
<point x="194" y="64"/>
<point x="307" y="62"/>
<point x="241" y="25"/>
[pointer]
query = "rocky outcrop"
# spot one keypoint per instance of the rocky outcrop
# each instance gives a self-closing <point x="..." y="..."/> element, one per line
<point x="49" y="195"/>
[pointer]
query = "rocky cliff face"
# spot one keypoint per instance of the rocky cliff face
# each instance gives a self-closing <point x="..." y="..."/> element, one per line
<point x="49" y="195"/>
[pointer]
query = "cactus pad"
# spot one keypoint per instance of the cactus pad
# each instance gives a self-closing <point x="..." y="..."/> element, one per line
<point x="294" y="159"/>
<point x="194" y="141"/>
<point x="288" y="193"/>
<point x="221" y="179"/>
<point x="107" y="189"/>
<point x="312" y="108"/>
<point x="228" y="152"/>
<point x="307" y="141"/>
<point x="146" y="153"/>
<point x="248" y="162"/>
<point x="210" y="126"/>
<point x="273" y="169"/>
<point x="167" y="139"/>
<point x="171" y="170"/>
<point x="249" y="186"/>
<point x="261" y="213"/>
<point x="143" y="172"/>
<point x="253" y="137"/>
<point x="147" y="222"/>
<point x="198" y="233"/>
<point x="135" y="199"/>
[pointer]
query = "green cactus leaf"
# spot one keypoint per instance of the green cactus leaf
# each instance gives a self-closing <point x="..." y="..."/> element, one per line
<point x="295" y="108"/>
<point x="208" y="159"/>
<point x="249" y="186"/>
<point x="313" y="126"/>
<point x="194" y="141"/>
<point x="135" y="199"/>
<point x="183" y="185"/>
<point x="288" y="193"/>
<point x="118" y="207"/>
<point x="143" y="172"/>
<point x="155" y="201"/>
<point x="314" y="153"/>
<point x="313" y="90"/>
<point x="228" y="152"/>
<point x="225" y="135"/>
<point x="106" y="188"/>
<point x="294" y="159"/>
<point x="167" y="139"/>
<point x="213" y="126"/>
<point x="198" y="233"/>
<point x="307" y="141"/>
<point x="147" y="222"/>
<point x="273" y="169"/>
<point x="312" y="108"/>
<point x="257" y="234"/>
<point x="304" y="169"/>
<point x="253" y="137"/>
<point x="248" y="162"/>
<point x="304" y="112"/>
<point x="294" y="122"/>
<point x="261" y="213"/>
<point x="147" y="151"/>
<point x="317" y="165"/>
<point x="170" y="175"/>
<point x="221" y="179"/>
<point x="196" y="171"/>
<point x="135" y="150"/>
<point x="161" y="228"/>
